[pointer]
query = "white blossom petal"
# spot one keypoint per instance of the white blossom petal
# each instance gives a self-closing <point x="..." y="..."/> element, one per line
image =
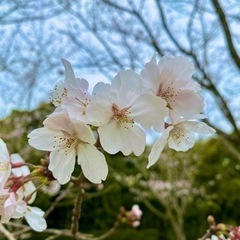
<point x="83" y="132"/>
<point x="9" y="206"/>
<point x="150" y="77"/>
<point x="74" y="109"/>
<point x="149" y="110"/>
<point x="158" y="146"/>
<point x="59" y="121"/>
<point x="101" y="89"/>
<point x="62" y="164"/>
<point x="69" y="74"/>
<point x="198" y="127"/>
<point x="4" y="154"/>
<point x="93" y="163"/>
<point x="44" y="139"/>
<point x="5" y="166"/>
<point x="126" y="88"/>
<point x="20" y="171"/>
<point x="80" y="86"/>
<point x="35" y="219"/>
<point x="99" y="110"/>
<point x="29" y="189"/>
<point x="181" y="139"/>
<point x="20" y="209"/>
<point x="59" y="91"/>
<point x="176" y="68"/>
<point x="77" y="99"/>
<point x="125" y="137"/>
<point x="187" y="103"/>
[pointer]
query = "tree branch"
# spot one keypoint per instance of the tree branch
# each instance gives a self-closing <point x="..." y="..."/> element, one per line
<point x="226" y="31"/>
<point x="62" y="195"/>
<point x="77" y="208"/>
<point x="141" y="20"/>
<point x="6" y="233"/>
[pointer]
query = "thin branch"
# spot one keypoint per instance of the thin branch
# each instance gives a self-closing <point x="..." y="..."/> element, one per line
<point x="167" y="29"/>
<point x="154" y="210"/>
<point x="77" y="208"/>
<point x="62" y="195"/>
<point x="100" y="39"/>
<point x="206" y="235"/>
<point x="6" y="233"/>
<point x="211" y="87"/>
<point x="141" y="20"/>
<point x="107" y="234"/>
<point x="226" y="31"/>
<point x="62" y="232"/>
<point x="222" y="104"/>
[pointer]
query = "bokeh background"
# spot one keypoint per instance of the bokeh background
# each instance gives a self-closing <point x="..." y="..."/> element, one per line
<point x="99" y="38"/>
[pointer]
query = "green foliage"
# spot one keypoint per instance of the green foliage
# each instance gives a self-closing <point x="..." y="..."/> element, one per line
<point x="218" y="172"/>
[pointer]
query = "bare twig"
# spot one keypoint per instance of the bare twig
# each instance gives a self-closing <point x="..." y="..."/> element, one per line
<point x="140" y="18"/>
<point x="77" y="207"/>
<point x="206" y="235"/>
<point x="6" y="233"/>
<point x="62" y="195"/>
<point x="226" y="31"/>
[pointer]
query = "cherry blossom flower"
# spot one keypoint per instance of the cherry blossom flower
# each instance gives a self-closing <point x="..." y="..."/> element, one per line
<point x="179" y="136"/>
<point x="61" y="88"/>
<point x="170" y="79"/>
<point x="77" y="100"/>
<point x="67" y="138"/>
<point x="117" y="109"/>
<point x="235" y="233"/>
<point x="134" y="216"/>
<point x="5" y="166"/>
<point x="33" y="215"/>
<point x="72" y="94"/>
<point x="12" y="206"/>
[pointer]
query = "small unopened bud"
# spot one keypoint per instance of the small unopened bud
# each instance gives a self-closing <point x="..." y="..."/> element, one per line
<point x="210" y="220"/>
<point x="221" y="227"/>
<point x="134" y="216"/>
<point x="44" y="162"/>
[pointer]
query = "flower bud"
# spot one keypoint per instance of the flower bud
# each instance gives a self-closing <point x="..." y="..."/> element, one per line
<point x="210" y="220"/>
<point x="221" y="227"/>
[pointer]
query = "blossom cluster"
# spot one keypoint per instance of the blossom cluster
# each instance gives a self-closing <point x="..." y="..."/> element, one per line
<point x="132" y="217"/>
<point x="222" y="231"/>
<point x="17" y="191"/>
<point x="115" y="117"/>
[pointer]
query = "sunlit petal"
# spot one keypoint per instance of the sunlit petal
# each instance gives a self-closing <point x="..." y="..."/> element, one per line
<point x="158" y="146"/>
<point x="62" y="164"/>
<point x="125" y="137"/>
<point x="45" y="139"/>
<point x="35" y="219"/>
<point x="93" y="163"/>
<point x="126" y="88"/>
<point x="149" y="110"/>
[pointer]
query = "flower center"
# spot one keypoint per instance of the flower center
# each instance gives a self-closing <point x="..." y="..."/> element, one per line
<point x="84" y="101"/>
<point x="168" y="94"/>
<point x="59" y="93"/>
<point x="178" y="134"/>
<point x="65" y="143"/>
<point x="121" y="115"/>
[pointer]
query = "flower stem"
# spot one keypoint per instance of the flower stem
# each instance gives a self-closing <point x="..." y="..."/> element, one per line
<point x="77" y="208"/>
